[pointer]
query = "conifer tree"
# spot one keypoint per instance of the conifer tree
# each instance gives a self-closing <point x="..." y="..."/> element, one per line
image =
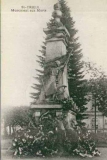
<point x="76" y="82"/>
<point x="40" y="74"/>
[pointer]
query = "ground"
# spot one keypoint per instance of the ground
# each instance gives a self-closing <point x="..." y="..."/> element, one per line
<point x="103" y="156"/>
<point x="6" y="154"/>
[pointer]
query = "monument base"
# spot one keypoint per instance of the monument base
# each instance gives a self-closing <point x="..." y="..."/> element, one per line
<point x="56" y="109"/>
<point x="40" y="109"/>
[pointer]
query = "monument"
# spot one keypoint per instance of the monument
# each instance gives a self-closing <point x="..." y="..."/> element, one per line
<point x="55" y="82"/>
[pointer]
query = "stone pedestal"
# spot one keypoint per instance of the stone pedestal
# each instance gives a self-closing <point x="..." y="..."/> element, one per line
<point x="55" y="48"/>
<point x="41" y="109"/>
<point x="56" y="43"/>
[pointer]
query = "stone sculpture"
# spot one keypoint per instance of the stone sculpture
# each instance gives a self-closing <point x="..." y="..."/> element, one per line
<point x="55" y="83"/>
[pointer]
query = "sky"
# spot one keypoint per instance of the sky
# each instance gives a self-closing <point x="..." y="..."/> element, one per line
<point x="22" y="36"/>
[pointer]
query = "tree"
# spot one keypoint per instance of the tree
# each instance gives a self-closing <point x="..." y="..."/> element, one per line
<point x="97" y="86"/>
<point x="76" y="81"/>
<point x="18" y="116"/>
<point x="40" y="73"/>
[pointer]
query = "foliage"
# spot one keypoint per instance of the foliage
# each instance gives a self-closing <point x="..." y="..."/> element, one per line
<point x="33" y="143"/>
<point x="67" y="104"/>
<point x="86" y="146"/>
<point x="98" y="88"/>
<point x="97" y="85"/>
<point x="21" y="116"/>
<point x="44" y="141"/>
<point x="53" y="140"/>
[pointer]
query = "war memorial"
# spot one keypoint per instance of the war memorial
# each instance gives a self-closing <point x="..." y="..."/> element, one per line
<point x="54" y="130"/>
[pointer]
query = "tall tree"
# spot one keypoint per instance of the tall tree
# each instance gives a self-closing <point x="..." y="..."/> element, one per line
<point x="40" y="73"/>
<point x="76" y="82"/>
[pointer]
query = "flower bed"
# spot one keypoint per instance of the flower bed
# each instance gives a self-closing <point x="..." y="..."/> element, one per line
<point x="48" y="139"/>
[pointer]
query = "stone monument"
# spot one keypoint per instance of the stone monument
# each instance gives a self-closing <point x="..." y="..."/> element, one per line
<point x="55" y="82"/>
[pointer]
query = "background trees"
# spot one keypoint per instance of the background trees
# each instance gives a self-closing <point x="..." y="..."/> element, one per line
<point x="18" y="116"/>
<point x="97" y="85"/>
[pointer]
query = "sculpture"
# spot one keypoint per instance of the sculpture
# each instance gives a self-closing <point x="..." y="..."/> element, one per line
<point x="55" y="83"/>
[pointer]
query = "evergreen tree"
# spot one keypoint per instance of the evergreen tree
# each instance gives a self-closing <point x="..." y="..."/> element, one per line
<point x="40" y="74"/>
<point x="76" y="82"/>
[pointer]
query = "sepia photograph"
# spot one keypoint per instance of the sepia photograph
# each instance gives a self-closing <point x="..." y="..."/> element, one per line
<point x="54" y="79"/>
